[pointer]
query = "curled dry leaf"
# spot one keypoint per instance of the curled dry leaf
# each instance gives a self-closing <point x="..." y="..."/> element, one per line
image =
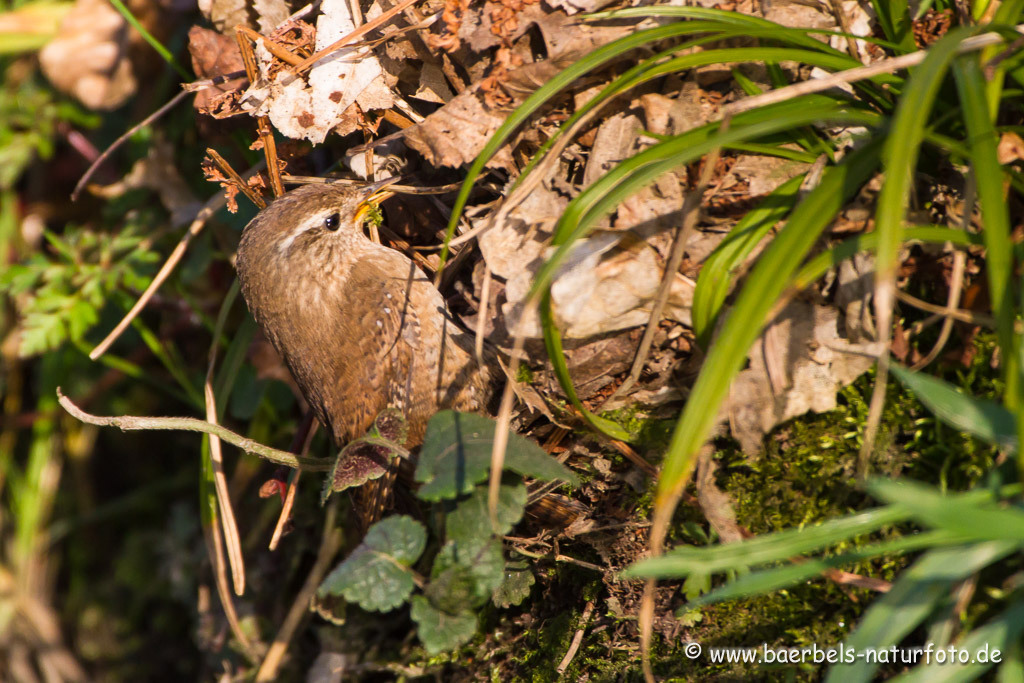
<point x="158" y="172"/>
<point x="310" y="106"/>
<point x="796" y="366"/>
<point x="89" y="57"/>
<point x="215" y="54"/>
<point x="225" y="15"/>
<point x="455" y="134"/>
<point x="1011" y="148"/>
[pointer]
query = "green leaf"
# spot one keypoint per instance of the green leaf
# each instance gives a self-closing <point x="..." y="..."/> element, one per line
<point x="913" y="597"/>
<point x="776" y="547"/>
<point x="766" y="282"/>
<point x="440" y="631"/>
<point x="456" y="456"/>
<point x="987" y="420"/>
<point x="482" y="562"/>
<point x="716" y="274"/>
<point x="469" y="524"/>
<point x="784" y="576"/>
<point x="981" y="520"/>
<point x="516" y="585"/>
<point x="376" y="575"/>
<point x="997" y="635"/>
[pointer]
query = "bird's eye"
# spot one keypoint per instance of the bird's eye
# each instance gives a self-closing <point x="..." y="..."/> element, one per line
<point x="332" y="222"/>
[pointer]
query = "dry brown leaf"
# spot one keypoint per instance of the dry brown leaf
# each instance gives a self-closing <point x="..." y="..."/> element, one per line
<point x="574" y="6"/>
<point x="763" y="173"/>
<point x="215" y="54"/>
<point x="1011" y="148"/>
<point x="158" y="171"/>
<point x="794" y="367"/>
<point x="309" y="107"/>
<point x="89" y="57"/>
<point x="225" y="15"/>
<point x="271" y="13"/>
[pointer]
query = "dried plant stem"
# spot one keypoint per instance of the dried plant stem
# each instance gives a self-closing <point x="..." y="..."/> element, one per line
<point x="844" y="26"/>
<point x="307" y="430"/>
<point x="235" y="179"/>
<point x="121" y="140"/>
<point x="130" y="423"/>
<point x="481" y="318"/>
<point x="329" y="546"/>
<point x="262" y="122"/>
<point x="358" y="33"/>
<point x="232" y="542"/>
<point x="959" y="314"/>
<point x="691" y="212"/>
<point x="212" y="535"/>
<point x="276" y="49"/>
<point x="577" y="639"/>
<point x="204" y="214"/>
<point x="856" y="74"/>
<point x="663" y="511"/>
<point x="216" y="202"/>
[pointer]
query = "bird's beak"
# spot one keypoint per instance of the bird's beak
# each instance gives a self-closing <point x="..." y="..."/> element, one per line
<point x="374" y="194"/>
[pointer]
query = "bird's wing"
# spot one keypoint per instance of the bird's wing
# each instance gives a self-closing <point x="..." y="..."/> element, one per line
<point x="384" y="331"/>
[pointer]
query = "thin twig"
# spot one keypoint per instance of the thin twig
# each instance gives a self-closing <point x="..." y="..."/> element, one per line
<point x="856" y="74"/>
<point x="691" y="213"/>
<point x="961" y="314"/>
<point x="577" y="639"/>
<point x="358" y="33"/>
<point x="204" y="214"/>
<point x="397" y="189"/>
<point x="481" y="318"/>
<point x="952" y="303"/>
<point x="121" y="140"/>
<point x="129" y="423"/>
<point x="262" y="122"/>
<point x="308" y="430"/>
<point x="273" y="47"/>
<point x="844" y="26"/>
<point x="212" y="535"/>
<point x="665" y="506"/>
<point x="222" y="164"/>
<point x="330" y="543"/>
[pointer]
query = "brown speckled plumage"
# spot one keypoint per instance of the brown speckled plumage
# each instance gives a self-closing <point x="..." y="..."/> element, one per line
<point x="359" y="325"/>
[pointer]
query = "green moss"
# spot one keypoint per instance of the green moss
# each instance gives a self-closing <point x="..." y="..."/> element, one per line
<point x="524" y="374"/>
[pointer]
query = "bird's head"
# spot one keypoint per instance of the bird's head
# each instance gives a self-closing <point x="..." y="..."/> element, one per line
<point x="313" y="229"/>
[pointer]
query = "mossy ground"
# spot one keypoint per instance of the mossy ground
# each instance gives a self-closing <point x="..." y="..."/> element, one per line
<point x="806" y="474"/>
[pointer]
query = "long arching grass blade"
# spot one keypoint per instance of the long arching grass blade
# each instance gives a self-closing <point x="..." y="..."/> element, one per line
<point x="766" y="282"/>
<point x="716" y="272"/>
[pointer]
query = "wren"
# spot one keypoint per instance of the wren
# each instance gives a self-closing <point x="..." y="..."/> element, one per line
<point x="359" y="325"/>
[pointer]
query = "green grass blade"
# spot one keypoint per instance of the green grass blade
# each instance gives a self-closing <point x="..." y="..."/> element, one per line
<point x="776" y="547"/>
<point x="553" y="343"/>
<point x="900" y="160"/>
<point x="819" y="264"/>
<point x="982" y="142"/>
<point x="914" y="596"/>
<point x="766" y="282"/>
<point x="629" y="176"/>
<point x="986" y="420"/>
<point x="563" y="79"/>
<point x="717" y="271"/>
<point x="777" y="578"/>
<point x="164" y="53"/>
<point x="999" y="634"/>
<point x="983" y="521"/>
